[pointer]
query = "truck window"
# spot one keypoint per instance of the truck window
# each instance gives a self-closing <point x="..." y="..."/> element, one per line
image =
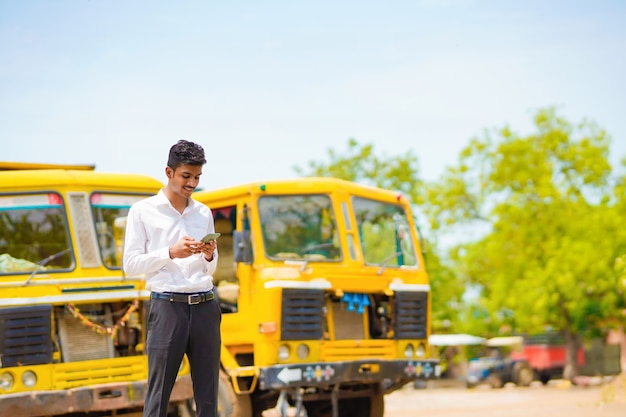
<point x="384" y="233"/>
<point x="109" y="213"/>
<point x="299" y="227"/>
<point x="33" y="233"/>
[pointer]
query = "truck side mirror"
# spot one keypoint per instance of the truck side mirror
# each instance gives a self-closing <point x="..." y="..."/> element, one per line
<point x="242" y="246"/>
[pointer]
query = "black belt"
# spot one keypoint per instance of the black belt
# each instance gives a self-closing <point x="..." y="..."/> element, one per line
<point x="191" y="299"/>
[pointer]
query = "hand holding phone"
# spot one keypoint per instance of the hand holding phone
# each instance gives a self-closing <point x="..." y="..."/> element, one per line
<point x="209" y="237"/>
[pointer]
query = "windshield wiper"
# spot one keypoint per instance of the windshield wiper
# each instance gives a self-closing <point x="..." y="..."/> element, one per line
<point x="385" y="262"/>
<point x="44" y="262"/>
<point x="313" y="248"/>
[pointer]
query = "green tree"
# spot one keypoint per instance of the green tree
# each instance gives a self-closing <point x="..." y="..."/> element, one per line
<point x="550" y="231"/>
<point x="361" y="164"/>
<point x="620" y="262"/>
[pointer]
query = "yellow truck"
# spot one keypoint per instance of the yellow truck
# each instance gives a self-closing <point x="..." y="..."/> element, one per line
<point x="325" y="298"/>
<point x="322" y="285"/>
<point x="72" y="325"/>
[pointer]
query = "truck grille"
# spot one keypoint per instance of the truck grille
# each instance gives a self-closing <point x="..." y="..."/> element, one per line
<point x="25" y="335"/>
<point x="77" y="374"/>
<point x="302" y="314"/>
<point x="82" y="343"/>
<point x="410" y="315"/>
<point x="343" y="350"/>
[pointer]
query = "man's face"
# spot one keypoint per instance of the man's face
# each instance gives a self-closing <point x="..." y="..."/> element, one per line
<point x="184" y="180"/>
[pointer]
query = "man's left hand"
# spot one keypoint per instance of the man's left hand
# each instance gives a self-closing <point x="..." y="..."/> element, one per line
<point x="207" y="249"/>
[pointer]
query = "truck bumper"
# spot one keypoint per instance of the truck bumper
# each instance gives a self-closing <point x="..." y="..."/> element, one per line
<point x="104" y="397"/>
<point x="325" y="374"/>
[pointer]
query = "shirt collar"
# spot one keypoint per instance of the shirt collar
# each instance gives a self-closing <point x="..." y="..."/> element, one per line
<point x="162" y="200"/>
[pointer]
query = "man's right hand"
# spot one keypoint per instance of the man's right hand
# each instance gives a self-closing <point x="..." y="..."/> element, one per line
<point x="184" y="248"/>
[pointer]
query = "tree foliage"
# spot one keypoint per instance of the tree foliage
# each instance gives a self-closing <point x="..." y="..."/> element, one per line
<point x="361" y="164"/>
<point x="551" y="228"/>
<point x="537" y="220"/>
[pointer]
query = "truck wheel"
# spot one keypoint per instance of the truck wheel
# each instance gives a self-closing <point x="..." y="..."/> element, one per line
<point x="523" y="374"/>
<point x="229" y="403"/>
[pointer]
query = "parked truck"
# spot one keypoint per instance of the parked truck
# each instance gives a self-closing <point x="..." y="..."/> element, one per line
<point x="72" y="324"/>
<point x="325" y="297"/>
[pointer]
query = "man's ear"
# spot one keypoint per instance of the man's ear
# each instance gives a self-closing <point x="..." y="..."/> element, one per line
<point x="169" y="172"/>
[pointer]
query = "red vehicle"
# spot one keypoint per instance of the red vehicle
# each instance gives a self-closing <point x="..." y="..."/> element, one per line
<point x="545" y="353"/>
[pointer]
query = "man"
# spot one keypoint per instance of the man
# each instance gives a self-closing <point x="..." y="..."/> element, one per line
<point x="163" y="241"/>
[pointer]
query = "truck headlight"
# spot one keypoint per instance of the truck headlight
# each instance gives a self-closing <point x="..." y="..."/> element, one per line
<point x="283" y="352"/>
<point x="408" y="351"/>
<point x="421" y="351"/>
<point x="302" y="351"/>
<point x="29" y="379"/>
<point x="6" y="381"/>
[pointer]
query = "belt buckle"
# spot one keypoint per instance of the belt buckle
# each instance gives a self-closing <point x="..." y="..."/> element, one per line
<point x="194" y="299"/>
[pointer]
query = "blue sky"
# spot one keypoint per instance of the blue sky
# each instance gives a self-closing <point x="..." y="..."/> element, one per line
<point x="266" y="86"/>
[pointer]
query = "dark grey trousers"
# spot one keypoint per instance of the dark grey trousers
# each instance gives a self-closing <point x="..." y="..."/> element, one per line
<point x="174" y="329"/>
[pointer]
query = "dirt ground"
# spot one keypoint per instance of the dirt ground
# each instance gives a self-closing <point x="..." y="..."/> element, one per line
<point x="593" y="398"/>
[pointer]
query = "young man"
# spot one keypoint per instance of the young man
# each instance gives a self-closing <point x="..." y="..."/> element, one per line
<point x="163" y="241"/>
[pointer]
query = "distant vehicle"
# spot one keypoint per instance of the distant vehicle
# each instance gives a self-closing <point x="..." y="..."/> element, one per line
<point x="499" y="367"/>
<point x="546" y="354"/>
<point x="521" y="360"/>
<point x="449" y="347"/>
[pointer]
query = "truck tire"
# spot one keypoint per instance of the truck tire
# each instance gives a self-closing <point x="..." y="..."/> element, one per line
<point x="523" y="374"/>
<point x="229" y="403"/>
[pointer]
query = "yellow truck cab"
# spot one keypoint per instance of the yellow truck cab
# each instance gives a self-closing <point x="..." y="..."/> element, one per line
<point x="324" y="294"/>
<point x="72" y="325"/>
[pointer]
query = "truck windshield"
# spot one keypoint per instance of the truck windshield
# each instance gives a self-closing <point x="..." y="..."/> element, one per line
<point x="33" y="233"/>
<point x="384" y="233"/>
<point x="109" y="213"/>
<point x="299" y="227"/>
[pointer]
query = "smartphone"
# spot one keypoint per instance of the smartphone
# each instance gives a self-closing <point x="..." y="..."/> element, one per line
<point x="210" y="237"/>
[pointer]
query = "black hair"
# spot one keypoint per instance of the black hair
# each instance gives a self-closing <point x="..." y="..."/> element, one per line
<point x="185" y="153"/>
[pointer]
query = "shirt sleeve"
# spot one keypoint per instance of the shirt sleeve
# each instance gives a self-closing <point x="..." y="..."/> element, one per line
<point x="210" y="266"/>
<point x="136" y="259"/>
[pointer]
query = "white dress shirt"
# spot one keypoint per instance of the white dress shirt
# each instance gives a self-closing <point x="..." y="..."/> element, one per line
<point x="152" y="226"/>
